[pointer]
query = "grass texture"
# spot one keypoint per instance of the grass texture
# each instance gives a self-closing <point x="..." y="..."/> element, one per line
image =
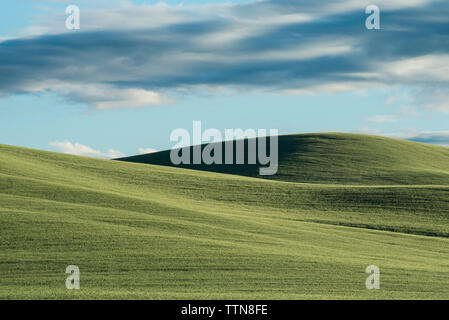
<point x="141" y="231"/>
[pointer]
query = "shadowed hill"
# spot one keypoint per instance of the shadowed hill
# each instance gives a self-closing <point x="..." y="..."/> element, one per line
<point x="338" y="158"/>
<point x="157" y="232"/>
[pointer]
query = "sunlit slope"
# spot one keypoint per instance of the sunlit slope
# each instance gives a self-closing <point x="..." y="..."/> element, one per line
<point x="145" y="231"/>
<point x="341" y="158"/>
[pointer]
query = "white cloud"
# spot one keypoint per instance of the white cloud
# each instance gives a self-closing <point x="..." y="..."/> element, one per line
<point x="146" y="150"/>
<point x="427" y="75"/>
<point x="433" y="137"/>
<point x="110" y="16"/>
<point x="102" y="96"/>
<point x="430" y="67"/>
<point x="83" y="150"/>
<point x="435" y="99"/>
<point x="381" y="118"/>
<point x="256" y="16"/>
<point x="347" y="5"/>
<point x="334" y="87"/>
<point x="408" y="111"/>
<point x="440" y="138"/>
<point x="125" y="98"/>
<point x="370" y="130"/>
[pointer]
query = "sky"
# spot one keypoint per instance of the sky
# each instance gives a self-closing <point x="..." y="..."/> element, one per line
<point x="137" y="70"/>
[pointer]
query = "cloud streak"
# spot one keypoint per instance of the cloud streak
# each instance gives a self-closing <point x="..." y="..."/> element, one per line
<point x="138" y="56"/>
<point x="146" y="150"/>
<point x="433" y="137"/>
<point x="382" y="118"/>
<point x="83" y="150"/>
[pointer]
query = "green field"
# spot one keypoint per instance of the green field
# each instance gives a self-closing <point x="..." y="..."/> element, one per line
<point x="340" y="203"/>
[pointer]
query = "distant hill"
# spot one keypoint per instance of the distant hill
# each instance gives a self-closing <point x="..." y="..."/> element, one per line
<point x="139" y="231"/>
<point x="339" y="158"/>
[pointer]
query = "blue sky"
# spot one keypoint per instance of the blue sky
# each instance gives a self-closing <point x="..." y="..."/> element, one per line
<point x="135" y="71"/>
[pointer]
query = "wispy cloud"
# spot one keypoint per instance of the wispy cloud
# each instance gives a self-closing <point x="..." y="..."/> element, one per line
<point x="433" y="137"/>
<point x="146" y="150"/>
<point x="83" y="150"/>
<point x="104" y="97"/>
<point x="141" y="55"/>
<point x="381" y="118"/>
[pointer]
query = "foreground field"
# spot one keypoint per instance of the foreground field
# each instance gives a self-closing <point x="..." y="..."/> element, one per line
<point x="155" y="232"/>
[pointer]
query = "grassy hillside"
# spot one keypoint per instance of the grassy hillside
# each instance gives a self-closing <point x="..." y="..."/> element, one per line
<point x="154" y="232"/>
<point x="340" y="158"/>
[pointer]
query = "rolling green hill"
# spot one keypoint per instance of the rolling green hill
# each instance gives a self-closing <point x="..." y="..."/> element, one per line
<point x="157" y="232"/>
<point x="339" y="158"/>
